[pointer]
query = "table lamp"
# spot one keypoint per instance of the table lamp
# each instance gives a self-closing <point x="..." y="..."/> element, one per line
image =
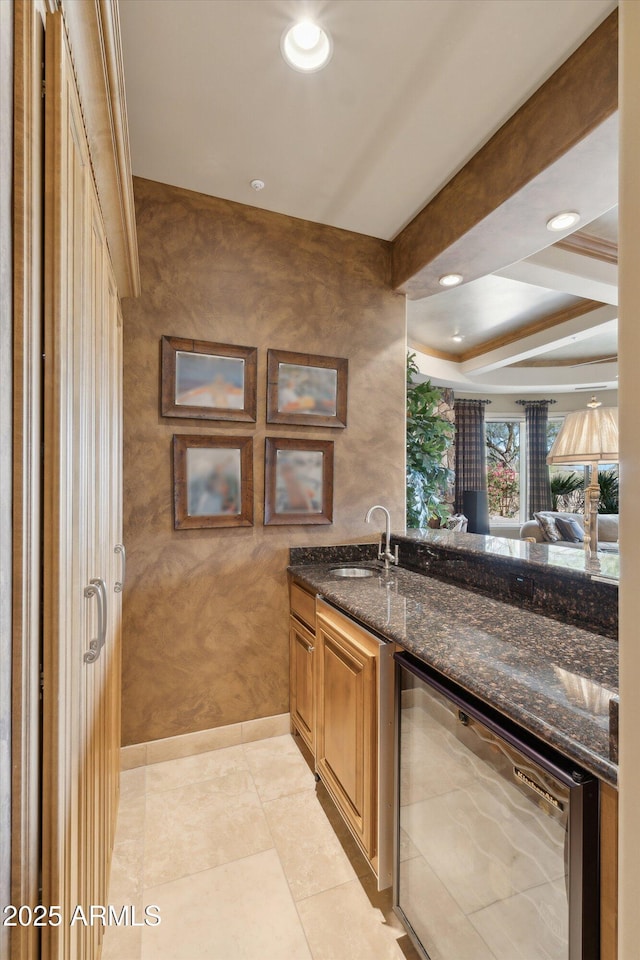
<point x="588" y="437"/>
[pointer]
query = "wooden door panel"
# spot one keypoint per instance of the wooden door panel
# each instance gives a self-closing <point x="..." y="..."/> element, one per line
<point x="68" y="618"/>
<point x="81" y="517"/>
<point x="346" y="727"/>
<point x="302" y="653"/>
<point x="343" y="697"/>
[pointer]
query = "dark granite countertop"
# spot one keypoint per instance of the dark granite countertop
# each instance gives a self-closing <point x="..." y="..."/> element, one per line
<point x="552" y="678"/>
<point x="568" y="559"/>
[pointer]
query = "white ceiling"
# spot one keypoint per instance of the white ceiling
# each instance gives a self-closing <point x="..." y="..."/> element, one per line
<point x="413" y="90"/>
<point x="605" y="226"/>
<point x="491" y="306"/>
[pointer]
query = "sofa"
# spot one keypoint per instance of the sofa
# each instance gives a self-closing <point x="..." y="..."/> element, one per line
<point x="545" y="529"/>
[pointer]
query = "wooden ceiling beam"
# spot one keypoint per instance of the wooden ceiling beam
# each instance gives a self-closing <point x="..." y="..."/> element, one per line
<point x="576" y="99"/>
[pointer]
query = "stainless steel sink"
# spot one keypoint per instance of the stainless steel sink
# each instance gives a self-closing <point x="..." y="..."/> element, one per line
<point x="353" y="571"/>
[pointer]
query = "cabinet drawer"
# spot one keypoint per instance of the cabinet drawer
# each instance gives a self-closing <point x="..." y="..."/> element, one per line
<point x="303" y="605"/>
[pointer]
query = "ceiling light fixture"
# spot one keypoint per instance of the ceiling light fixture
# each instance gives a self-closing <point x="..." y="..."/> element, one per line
<point x="457" y="338"/>
<point x="450" y="280"/>
<point x="563" y="221"/>
<point x="306" y="46"/>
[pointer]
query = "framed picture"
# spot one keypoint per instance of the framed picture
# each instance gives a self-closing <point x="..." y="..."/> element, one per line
<point x="212" y="482"/>
<point x="298" y="481"/>
<point x="210" y="381"/>
<point x="306" y="389"/>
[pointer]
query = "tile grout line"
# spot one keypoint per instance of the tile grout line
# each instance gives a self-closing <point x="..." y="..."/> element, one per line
<point x="196" y="873"/>
<point x="147" y="793"/>
<point x="138" y="839"/>
<point x="286" y="879"/>
<point x="354" y="879"/>
<point x="179" y="786"/>
<point x="198" y="782"/>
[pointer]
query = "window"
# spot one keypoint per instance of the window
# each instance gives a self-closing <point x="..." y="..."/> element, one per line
<point x="568" y="484"/>
<point x="507" y="469"/>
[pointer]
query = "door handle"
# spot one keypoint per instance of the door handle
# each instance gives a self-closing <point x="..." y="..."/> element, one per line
<point x="119" y="584"/>
<point x="102" y="626"/>
<point x="97" y="588"/>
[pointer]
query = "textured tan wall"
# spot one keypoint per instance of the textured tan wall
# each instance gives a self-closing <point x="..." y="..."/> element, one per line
<point x="205" y="611"/>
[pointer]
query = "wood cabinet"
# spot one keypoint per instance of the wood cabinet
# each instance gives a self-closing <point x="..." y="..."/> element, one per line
<point x="346" y="722"/>
<point x="354" y="731"/>
<point x="341" y="702"/>
<point x="82" y="522"/>
<point x="75" y="257"/>
<point x="302" y="638"/>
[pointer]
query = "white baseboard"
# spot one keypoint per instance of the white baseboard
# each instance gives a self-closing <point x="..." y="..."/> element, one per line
<point x="188" y="744"/>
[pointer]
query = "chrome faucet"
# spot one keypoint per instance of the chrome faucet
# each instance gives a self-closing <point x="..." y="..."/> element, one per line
<point x="385" y="554"/>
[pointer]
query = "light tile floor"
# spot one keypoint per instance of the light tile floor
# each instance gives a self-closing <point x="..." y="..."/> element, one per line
<point x="247" y="859"/>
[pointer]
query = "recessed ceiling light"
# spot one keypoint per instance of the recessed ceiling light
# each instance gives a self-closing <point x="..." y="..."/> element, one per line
<point x="306" y="46"/>
<point x="563" y="221"/>
<point x="457" y="338"/>
<point x="450" y="280"/>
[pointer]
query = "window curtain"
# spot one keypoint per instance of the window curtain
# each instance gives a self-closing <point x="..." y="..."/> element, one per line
<point x="471" y="456"/>
<point x="537" y="418"/>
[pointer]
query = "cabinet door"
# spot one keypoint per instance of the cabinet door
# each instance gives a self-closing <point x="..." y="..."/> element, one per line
<point x="302" y="705"/>
<point x="346" y="670"/>
<point x="81" y="618"/>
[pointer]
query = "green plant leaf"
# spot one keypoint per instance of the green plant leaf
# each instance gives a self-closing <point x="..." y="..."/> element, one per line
<point x="564" y="484"/>
<point x="429" y="436"/>
<point x="609" y="494"/>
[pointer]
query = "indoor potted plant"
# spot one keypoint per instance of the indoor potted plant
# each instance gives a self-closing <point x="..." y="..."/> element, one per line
<point x="429" y="435"/>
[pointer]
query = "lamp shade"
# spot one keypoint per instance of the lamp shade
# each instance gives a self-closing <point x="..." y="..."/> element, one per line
<point x="587" y="436"/>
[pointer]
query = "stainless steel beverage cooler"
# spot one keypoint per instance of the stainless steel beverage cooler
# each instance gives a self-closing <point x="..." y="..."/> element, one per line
<point x="497" y="834"/>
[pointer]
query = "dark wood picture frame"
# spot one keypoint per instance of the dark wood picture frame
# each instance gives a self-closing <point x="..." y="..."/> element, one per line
<point x="228" y="394"/>
<point x="315" y="396"/>
<point x="213" y="491"/>
<point x="298" y="486"/>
